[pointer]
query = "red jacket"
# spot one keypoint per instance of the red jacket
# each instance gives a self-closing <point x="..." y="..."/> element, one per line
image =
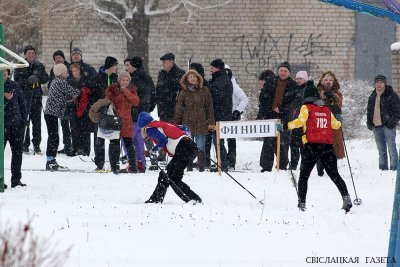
<point x="123" y="101"/>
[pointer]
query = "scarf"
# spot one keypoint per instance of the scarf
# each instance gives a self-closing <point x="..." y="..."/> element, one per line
<point x="193" y="88"/>
<point x="377" y="120"/>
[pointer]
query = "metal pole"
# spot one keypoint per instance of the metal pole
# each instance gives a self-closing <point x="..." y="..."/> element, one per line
<point x="394" y="240"/>
<point x="1" y="114"/>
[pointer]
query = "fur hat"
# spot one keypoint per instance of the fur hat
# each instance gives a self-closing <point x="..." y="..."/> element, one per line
<point x="59" y="69"/>
<point x="311" y="91"/>
<point x="29" y="47"/>
<point x="218" y="63"/>
<point x="136" y="62"/>
<point x="184" y="83"/>
<point x="144" y="119"/>
<point x="58" y="53"/>
<point x="110" y="62"/>
<point x="76" y="50"/>
<point x="168" y="56"/>
<point x="124" y="74"/>
<point x="302" y="74"/>
<point x="284" y="65"/>
<point x="381" y="78"/>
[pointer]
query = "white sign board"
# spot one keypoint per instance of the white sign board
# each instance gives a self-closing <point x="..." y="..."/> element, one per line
<point x="246" y="129"/>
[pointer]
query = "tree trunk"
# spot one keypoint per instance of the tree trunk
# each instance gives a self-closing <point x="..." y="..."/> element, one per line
<point x="139" y="27"/>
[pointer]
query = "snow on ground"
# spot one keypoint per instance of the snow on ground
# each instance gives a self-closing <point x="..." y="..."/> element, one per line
<point x="103" y="218"/>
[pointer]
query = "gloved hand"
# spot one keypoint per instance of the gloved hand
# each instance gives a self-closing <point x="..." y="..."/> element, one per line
<point x="153" y="152"/>
<point x="211" y="128"/>
<point x="236" y="115"/>
<point x="339" y="117"/>
<point x="33" y="79"/>
<point x="329" y="94"/>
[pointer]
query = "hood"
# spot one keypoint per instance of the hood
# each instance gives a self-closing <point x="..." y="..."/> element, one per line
<point x="144" y="119"/>
<point x="184" y="83"/>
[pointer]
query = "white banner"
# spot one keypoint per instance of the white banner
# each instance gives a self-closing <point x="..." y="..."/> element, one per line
<point x="246" y="129"/>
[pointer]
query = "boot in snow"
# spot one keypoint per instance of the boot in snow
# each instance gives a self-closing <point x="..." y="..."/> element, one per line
<point x="347" y="203"/>
<point x="302" y="206"/>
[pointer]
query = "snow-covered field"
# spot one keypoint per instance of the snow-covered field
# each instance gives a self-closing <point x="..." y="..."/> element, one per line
<point x="103" y="218"/>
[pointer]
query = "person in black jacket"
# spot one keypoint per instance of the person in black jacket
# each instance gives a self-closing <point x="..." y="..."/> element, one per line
<point x="86" y="69"/>
<point x="167" y="90"/>
<point x="383" y="113"/>
<point x="275" y="102"/>
<point x="31" y="79"/>
<point x="14" y="125"/>
<point x="98" y="85"/>
<point x="221" y="90"/>
<point x="146" y="92"/>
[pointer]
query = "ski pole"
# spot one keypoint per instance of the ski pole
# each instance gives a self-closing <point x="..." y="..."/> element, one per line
<point x="357" y="201"/>
<point x="259" y="201"/>
<point x="172" y="183"/>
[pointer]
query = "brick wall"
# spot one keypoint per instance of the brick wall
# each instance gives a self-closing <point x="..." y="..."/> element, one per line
<point x="249" y="35"/>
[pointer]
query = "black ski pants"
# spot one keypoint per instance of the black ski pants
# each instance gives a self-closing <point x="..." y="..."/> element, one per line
<point x="53" y="137"/>
<point x="185" y="152"/>
<point x="35" y="116"/>
<point x="14" y="135"/>
<point x="114" y="150"/>
<point x="326" y="154"/>
<point x="269" y="149"/>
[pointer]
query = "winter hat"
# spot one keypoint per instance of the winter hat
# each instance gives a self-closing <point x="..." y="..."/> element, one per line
<point x="284" y="65"/>
<point x="266" y="74"/>
<point x="59" y="69"/>
<point x="58" y="53"/>
<point x="197" y="67"/>
<point x="302" y="74"/>
<point x="381" y="78"/>
<point x="310" y="90"/>
<point x="218" y="63"/>
<point x="110" y="62"/>
<point x="144" y="119"/>
<point x="124" y="74"/>
<point x="76" y="50"/>
<point x="136" y="62"/>
<point x="168" y="56"/>
<point x="29" y="47"/>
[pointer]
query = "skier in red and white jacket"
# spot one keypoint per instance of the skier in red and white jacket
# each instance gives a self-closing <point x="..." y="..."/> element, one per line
<point x="317" y="122"/>
<point x="177" y="144"/>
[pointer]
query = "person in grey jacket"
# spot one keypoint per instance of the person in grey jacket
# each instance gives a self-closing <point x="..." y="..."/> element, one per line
<point x="59" y="93"/>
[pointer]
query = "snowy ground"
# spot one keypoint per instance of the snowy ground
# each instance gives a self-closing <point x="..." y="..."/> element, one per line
<point x="103" y="218"/>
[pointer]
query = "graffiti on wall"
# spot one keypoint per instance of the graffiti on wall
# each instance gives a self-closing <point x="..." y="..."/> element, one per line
<point x="266" y="51"/>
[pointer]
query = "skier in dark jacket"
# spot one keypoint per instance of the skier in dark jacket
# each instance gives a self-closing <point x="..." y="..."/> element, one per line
<point x="383" y="114"/>
<point x="317" y="122"/>
<point x="275" y="102"/>
<point x="182" y="149"/>
<point x="146" y="92"/>
<point x="15" y="113"/>
<point x="31" y="79"/>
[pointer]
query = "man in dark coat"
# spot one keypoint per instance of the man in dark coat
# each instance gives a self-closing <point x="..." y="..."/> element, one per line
<point x="14" y="125"/>
<point x="167" y="90"/>
<point x="275" y="102"/>
<point x="31" y="79"/>
<point x="168" y="87"/>
<point x="221" y="90"/>
<point x="383" y="113"/>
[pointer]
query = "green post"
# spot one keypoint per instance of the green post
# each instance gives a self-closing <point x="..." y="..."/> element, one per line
<point x="1" y="114"/>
